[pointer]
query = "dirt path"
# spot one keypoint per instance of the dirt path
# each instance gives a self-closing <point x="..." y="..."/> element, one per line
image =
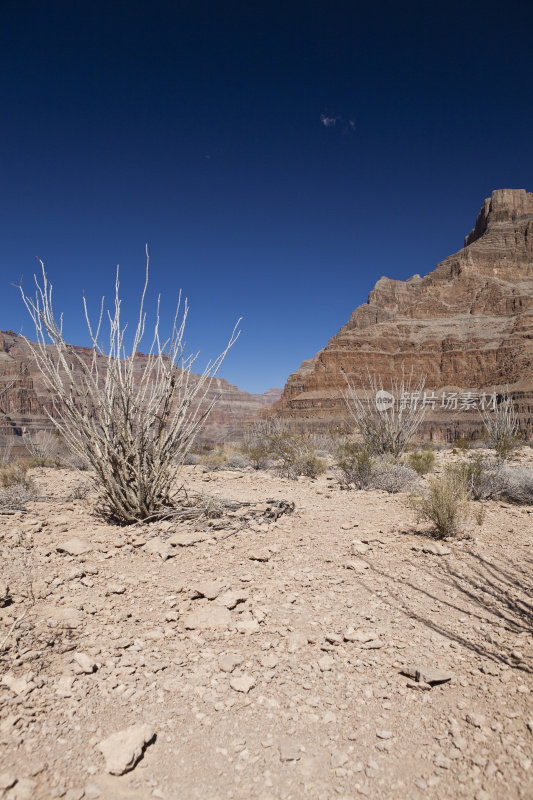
<point x="268" y="662"/>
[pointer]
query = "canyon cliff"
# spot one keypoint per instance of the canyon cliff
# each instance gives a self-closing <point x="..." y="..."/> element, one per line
<point x="467" y="326"/>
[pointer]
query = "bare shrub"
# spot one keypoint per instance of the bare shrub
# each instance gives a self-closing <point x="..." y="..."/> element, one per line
<point x="134" y="426"/>
<point x="16" y="487"/>
<point x="42" y="446"/>
<point x="386" y="420"/>
<point x="258" y="438"/>
<point x="502" y="426"/>
<point x="6" y="448"/>
<point x="391" y="477"/>
<point x="422" y="461"/>
<point x="479" y="474"/>
<point x="215" y="459"/>
<point x="445" y="504"/>
<point x="514" y="484"/>
<point x="354" y="465"/>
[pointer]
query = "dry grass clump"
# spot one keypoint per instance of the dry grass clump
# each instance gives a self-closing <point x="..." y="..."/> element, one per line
<point x="391" y="477"/>
<point x="354" y="465"/>
<point x="445" y="504"/>
<point x="269" y="443"/>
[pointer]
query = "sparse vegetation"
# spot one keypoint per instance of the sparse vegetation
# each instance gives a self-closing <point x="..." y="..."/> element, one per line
<point x="445" y="504"/>
<point x="386" y="420"/>
<point x="133" y="426"/>
<point x="391" y="477"/>
<point x="354" y="465"/>
<point x="501" y="425"/>
<point x="422" y="461"/>
<point x="16" y="487"/>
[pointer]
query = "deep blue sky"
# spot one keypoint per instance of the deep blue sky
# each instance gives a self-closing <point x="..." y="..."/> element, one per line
<point x="278" y="158"/>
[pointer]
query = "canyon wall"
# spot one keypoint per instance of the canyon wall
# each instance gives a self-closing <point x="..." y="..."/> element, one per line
<point x="467" y="326"/>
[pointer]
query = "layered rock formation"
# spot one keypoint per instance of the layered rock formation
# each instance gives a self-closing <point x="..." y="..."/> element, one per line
<point x="25" y="399"/>
<point x="468" y="325"/>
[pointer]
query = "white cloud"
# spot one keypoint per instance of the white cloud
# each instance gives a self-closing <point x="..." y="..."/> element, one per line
<point x="328" y="122"/>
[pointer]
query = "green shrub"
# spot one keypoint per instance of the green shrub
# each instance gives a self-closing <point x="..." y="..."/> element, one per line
<point x="478" y="474"/>
<point x="215" y="459"/>
<point x="445" y="504"/>
<point x="258" y="452"/>
<point x="422" y="461"/>
<point x="311" y="466"/>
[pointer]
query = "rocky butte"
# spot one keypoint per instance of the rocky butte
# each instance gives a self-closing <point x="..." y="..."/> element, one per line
<point x="467" y="327"/>
<point x="26" y="399"/>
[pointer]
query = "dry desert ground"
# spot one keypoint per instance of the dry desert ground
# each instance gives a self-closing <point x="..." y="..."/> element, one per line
<point x="333" y="652"/>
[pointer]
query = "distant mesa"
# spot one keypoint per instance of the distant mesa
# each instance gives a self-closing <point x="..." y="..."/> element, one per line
<point x="467" y="325"/>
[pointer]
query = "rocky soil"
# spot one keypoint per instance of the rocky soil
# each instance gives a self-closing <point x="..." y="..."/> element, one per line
<point x="331" y="653"/>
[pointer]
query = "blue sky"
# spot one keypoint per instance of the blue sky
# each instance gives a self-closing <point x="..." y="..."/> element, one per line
<point x="278" y="158"/>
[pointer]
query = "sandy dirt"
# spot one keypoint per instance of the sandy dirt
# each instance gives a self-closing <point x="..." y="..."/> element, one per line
<point x="266" y="660"/>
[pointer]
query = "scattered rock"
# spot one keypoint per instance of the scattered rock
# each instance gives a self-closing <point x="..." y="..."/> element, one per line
<point x="7" y="780"/>
<point x="436" y="549"/>
<point x="429" y="675"/>
<point x="357" y="564"/>
<point x="159" y="547"/>
<point x="85" y="663"/>
<point x="339" y="758"/>
<point x="208" y="617"/>
<point x="122" y="750"/>
<point x="24" y="789"/>
<point x="228" y="662"/>
<point x="17" y="685"/>
<point x="270" y="661"/>
<point x="358" y="548"/>
<point x="295" y="641"/>
<point x="4" y="594"/>
<point x="242" y="684"/>
<point x="384" y="734"/>
<point x="208" y="589"/>
<point x="477" y="720"/>
<point x="75" y="547"/>
<point x="115" y="588"/>
<point x="231" y="599"/>
<point x="260" y="554"/>
<point x="187" y="539"/>
<point x="361" y="635"/>
<point x="289" y="750"/>
<point x="326" y="663"/>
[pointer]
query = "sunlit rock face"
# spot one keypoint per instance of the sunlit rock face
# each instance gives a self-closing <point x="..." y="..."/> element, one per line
<point x="465" y="326"/>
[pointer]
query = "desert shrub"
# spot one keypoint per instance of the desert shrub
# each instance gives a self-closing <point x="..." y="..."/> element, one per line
<point x="386" y="420"/>
<point x="478" y="474"/>
<point x="391" y="477"/>
<point x="445" y="504"/>
<point x="14" y="475"/>
<point x="215" y="459"/>
<point x="514" y="484"/>
<point x="237" y="460"/>
<point x="354" y="465"/>
<point x="462" y="444"/>
<point x="422" y="461"/>
<point x="16" y="487"/>
<point x="133" y="420"/>
<point x="257" y="453"/>
<point x="502" y="427"/>
<point x="311" y="466"/>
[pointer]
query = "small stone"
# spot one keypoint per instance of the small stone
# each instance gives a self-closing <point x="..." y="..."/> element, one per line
<point x="228" y="662"/>
<point x="24" y="789"/>
<point x="289" y="750"/>
<point x="269" y="661"/>
<point x="208" y="589"/>
<point x="295" y="641"/>
<point x="357" y="548"/>
<point x="159" y="547"/>
<point x="92" y="791"/>
<point x="530" y="725"/>
<point x="384" y="734"/>
<point x="17" y="685"/>
<point x="436" y="549"/>
<point x="122" y="750"/>
<point x="75" y="794"/>
<point x="7" y="780"/>
<point x="326" y="663"/>
<point x="477" y="720"/>
<point x="338" y="759"/>
<point x="209" y="617"/>
<point x="361" y="635"/>
<point x="231" y="599"/>
<point x="430" y="675"/>
<point x="357" y="565"/>
<point x="75" y="547"/>
<point x="4" y="594"/>
<point x="247" y="625"/>
<point x="187" y="539"/>
<point x="261" y="554"/>
<point x="115" y="588"/>
<point x="242" y="684"/>
<point x="85" y="662"/>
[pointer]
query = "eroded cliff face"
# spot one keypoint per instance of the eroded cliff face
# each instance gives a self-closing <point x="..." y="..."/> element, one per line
<point x="467" y="325"/>
<point x="26" y="400"/>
